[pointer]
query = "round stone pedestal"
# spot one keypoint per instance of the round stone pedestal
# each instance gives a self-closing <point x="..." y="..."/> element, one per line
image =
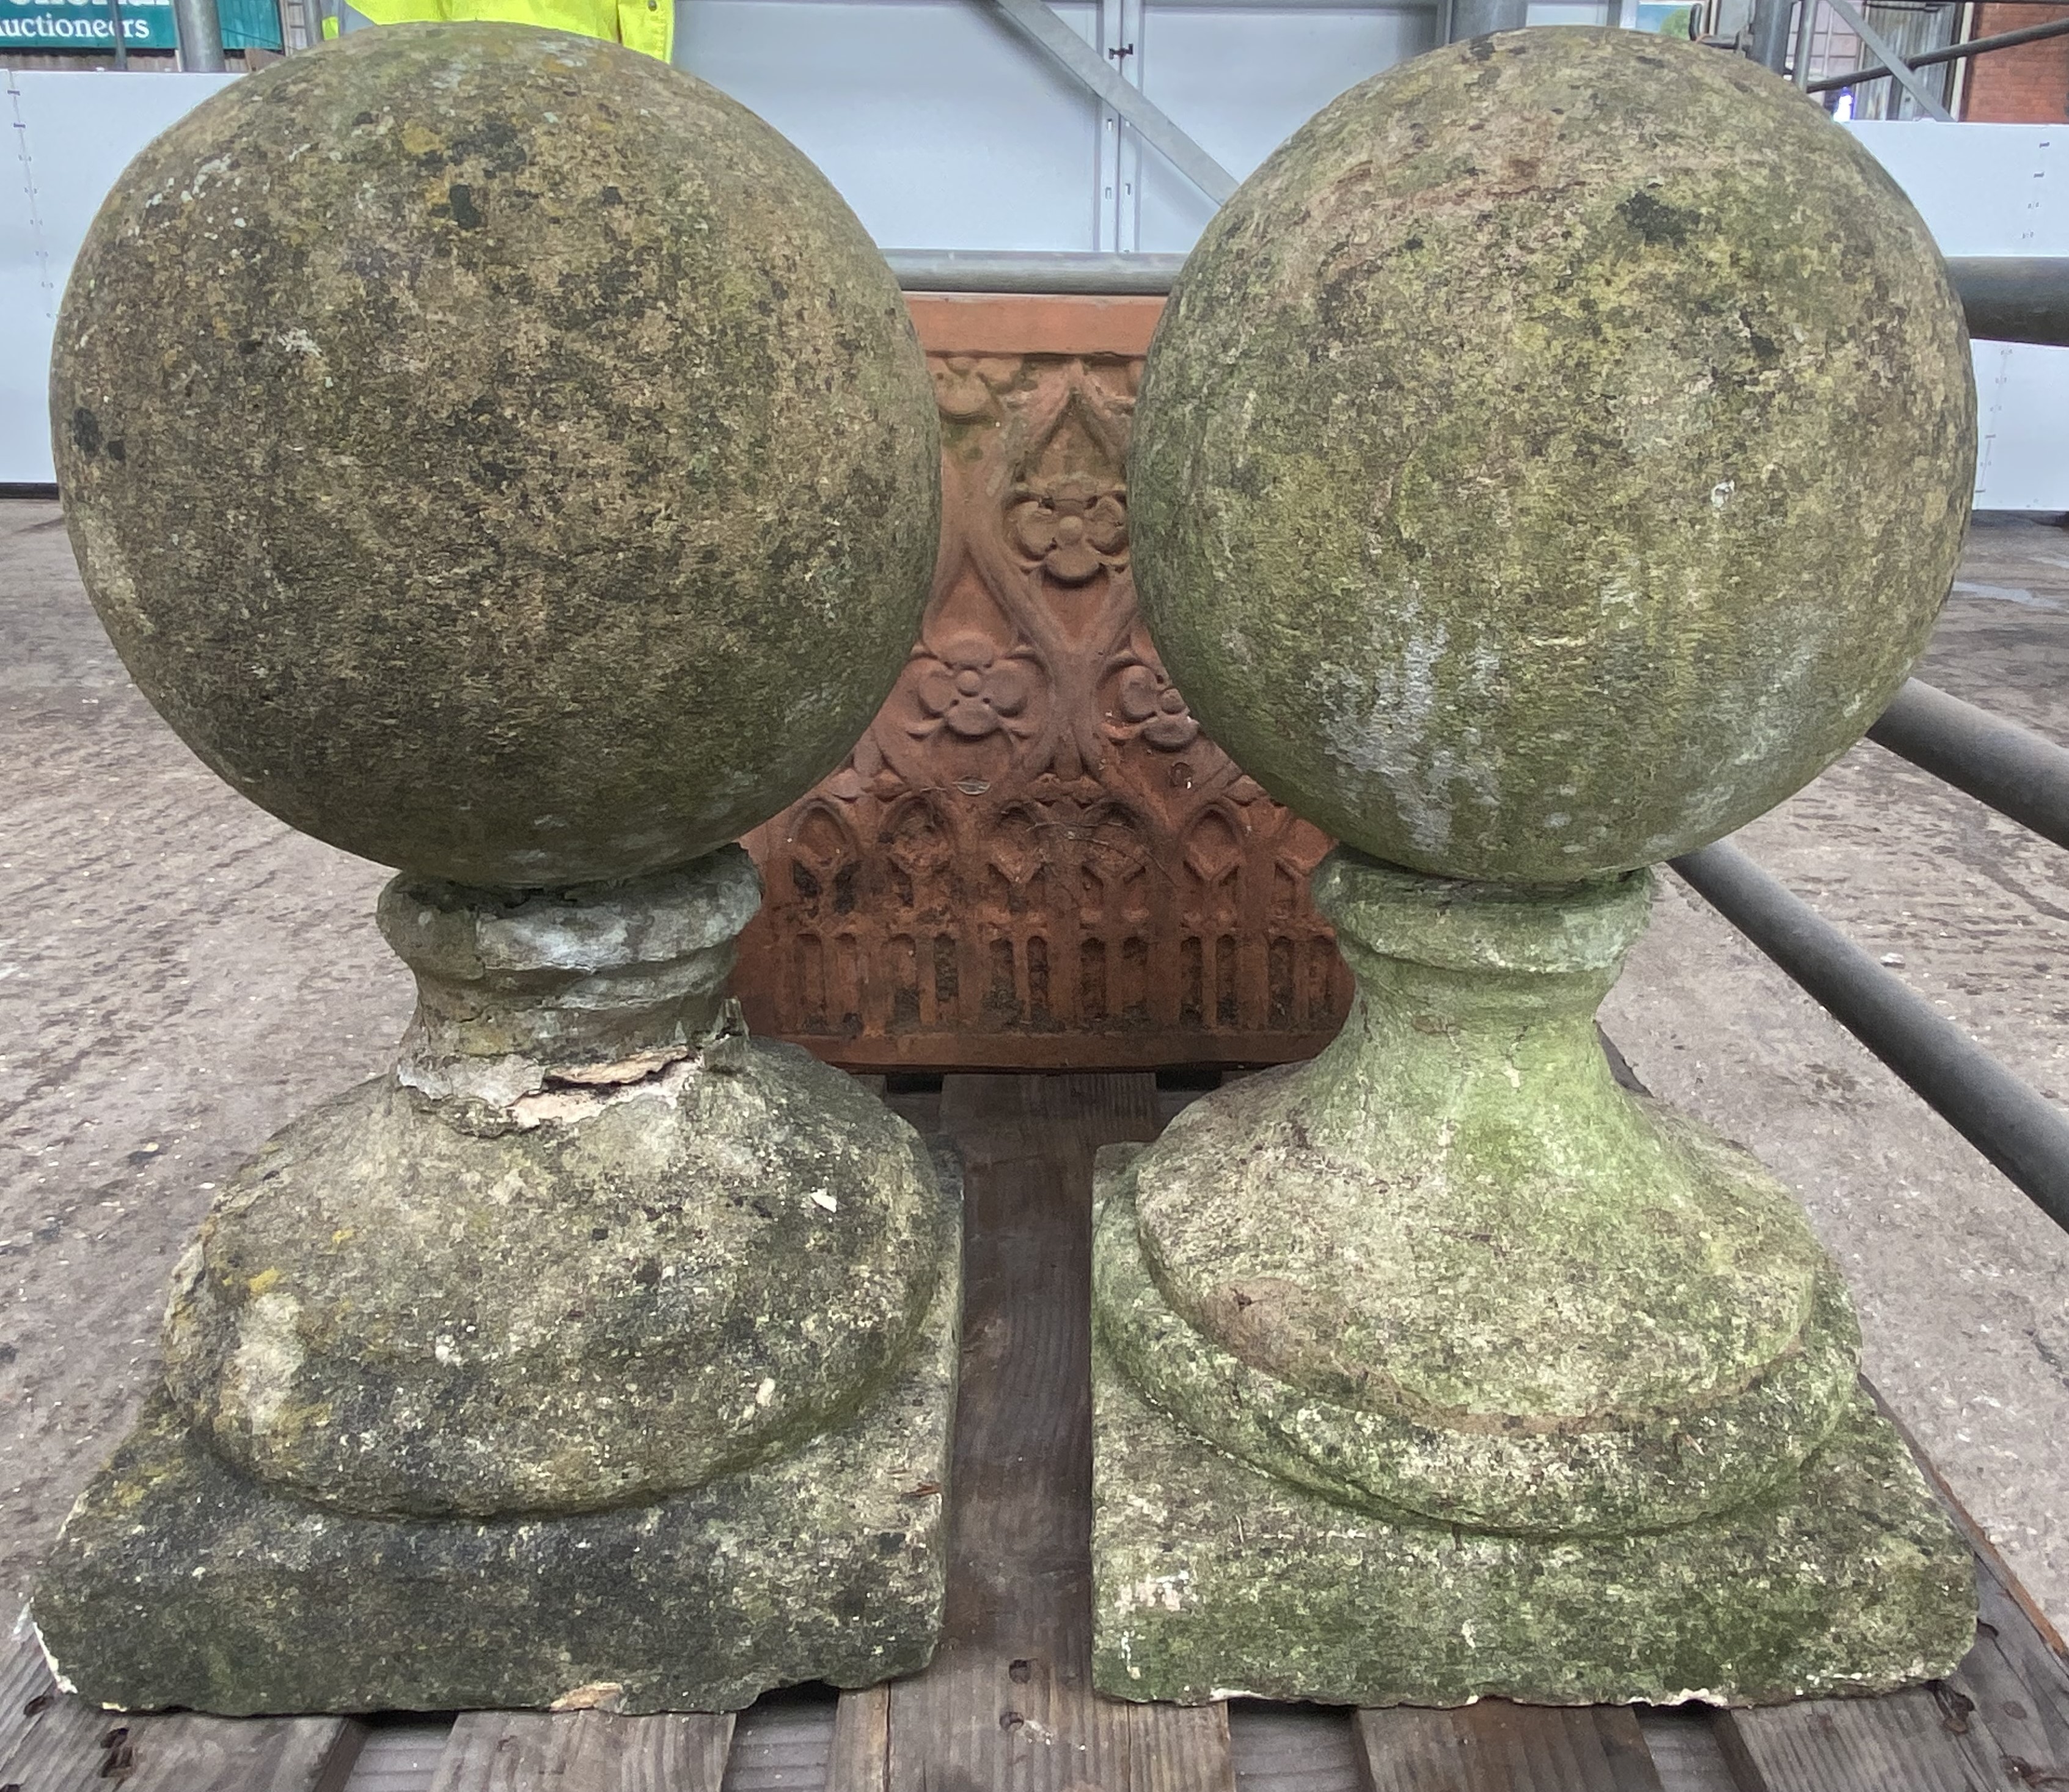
<point x="597" y="1340"/>
<point x="1450" y="1289"/>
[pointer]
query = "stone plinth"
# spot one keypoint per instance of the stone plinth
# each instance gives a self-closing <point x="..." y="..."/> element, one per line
<point x="636" y="1372"/>
<point x="1493" y="1349"/>
<point x="1216" y="1581"/>
<point x="181" y="1581"/>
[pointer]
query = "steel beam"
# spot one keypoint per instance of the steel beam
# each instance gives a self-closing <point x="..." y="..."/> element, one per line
<point x="1879" y="47"/>
<point x="2007" y="299"/>
<point x="1806" y="27"/>
<point x="1770" y="33"/>
<point x="1471" y="18"/>
<point x="1953" y="52"/>
<point x="1078" y="60"/>
<point x="2018" y="1129"/>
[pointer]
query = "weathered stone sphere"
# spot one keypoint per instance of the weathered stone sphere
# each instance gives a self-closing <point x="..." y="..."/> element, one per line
<point x="1553" y="456"/>
<point x="497" y="453"/>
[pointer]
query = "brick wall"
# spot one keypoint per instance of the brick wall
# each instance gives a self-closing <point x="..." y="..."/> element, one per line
<point x="2027" y="85"/>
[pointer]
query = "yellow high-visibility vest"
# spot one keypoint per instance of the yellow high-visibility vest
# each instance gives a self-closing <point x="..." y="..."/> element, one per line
<point x="646" y="25"/>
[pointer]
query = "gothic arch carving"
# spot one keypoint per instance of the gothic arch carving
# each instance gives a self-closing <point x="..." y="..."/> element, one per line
<point x="1035" y="857"/>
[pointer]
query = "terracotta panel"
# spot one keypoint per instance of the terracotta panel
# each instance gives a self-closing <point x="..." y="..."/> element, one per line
<point x="1034" y="858"/>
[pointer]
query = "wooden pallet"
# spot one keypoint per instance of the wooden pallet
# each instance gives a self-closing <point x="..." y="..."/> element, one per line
<point x="1008" y="1703"/>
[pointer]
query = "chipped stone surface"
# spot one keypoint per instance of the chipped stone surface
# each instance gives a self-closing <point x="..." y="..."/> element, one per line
<point x="592" y="987"/>
<point x="182" y="975"/>
<point x="1211" y="1579"/>
<point x="507" y="458"/>
<point x="180" y="1581"/>
<point x="404" y="1306"/>
<point x="497" y="453"/>
<point x="1553" y="456"/>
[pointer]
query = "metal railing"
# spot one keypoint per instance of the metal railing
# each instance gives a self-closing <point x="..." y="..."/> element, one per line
<point x="2014" y="771"/>
<point x="2010" y="299"/>
<point x="2013" y="1125"/>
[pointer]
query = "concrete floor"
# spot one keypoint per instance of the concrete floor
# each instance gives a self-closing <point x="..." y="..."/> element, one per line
<point x="179" y="974"/>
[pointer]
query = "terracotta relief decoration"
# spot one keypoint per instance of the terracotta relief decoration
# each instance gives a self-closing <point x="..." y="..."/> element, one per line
<point x="1034" y="858"/>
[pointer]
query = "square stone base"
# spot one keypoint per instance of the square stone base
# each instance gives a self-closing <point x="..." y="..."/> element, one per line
<point x="179" y="1582"/>
<point x="1211" y="1580"/>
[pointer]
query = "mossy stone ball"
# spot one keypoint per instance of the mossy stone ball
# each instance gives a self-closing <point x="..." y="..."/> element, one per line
<point x="1554" y="456"/>
<point x="497" y="453"/>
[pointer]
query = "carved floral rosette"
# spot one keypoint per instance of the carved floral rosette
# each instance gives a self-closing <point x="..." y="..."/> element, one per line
<point x="1034" y="858"/>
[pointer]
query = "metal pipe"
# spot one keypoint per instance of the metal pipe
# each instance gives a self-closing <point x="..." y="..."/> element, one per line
<point x="1953" y="52"/>
<point x="2011" y="299"/>
<point x="1806" y="23"/>
<point x="200" y="34"/>
<point x="1899" y="70"/>
<point x="2014" y="1126"/>
<point x="2014" y="298"/>
<point x="2015" y="771"/>
<point x="115" y="28"/>
<point x="1471" y="18"/>
<point x="978" y="271"/>
<point x="1771" y="34"/>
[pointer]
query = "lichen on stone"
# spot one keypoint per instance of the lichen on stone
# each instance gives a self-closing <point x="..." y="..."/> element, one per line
<point x="495" y="452"/>
<point x="1555" y="455"/>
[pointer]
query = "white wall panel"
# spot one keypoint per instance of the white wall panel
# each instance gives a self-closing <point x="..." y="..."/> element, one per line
<point x="1998" y="189"/>
<point x="941" y="126"/>
<point x="24" y="306"/>
<point x="1242" y="78"/>
<point x="69" y="134"/>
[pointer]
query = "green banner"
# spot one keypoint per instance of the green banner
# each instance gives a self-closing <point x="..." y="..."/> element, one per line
<point x="86" y="25"/>
<point x="80" y="26"/>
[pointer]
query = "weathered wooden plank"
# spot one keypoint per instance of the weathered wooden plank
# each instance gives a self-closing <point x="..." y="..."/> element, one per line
<point x="2016" y="1676"/>
<point x="1296" y="1749"/>
<point x="1060" y="1120"/>
<point x="1177" y="1748"/>
<point x="583" y="1751"/>
<point x="51" y="1742"/>
<point x="1919" y="1740"/>
<point x="2000" y="1722"/>
<point x="785" y="1744"/>
<point x="1685" y="1751"/>
<point x="400" y="1756"/>
<point x="188" y="1752"/>
<point x="860" y="1758"/>
<point x="24" y="1677"/>
<point x="1008" y="1701"/>
<point x="1495" y="1746"/>
<point x="2020" y="1686"/>
<point x="48" y="1742"/>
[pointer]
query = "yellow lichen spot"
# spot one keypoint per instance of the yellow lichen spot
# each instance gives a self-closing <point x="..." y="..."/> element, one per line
<point x="420" y="140"/>
<point x="263" y="1280"/>
<point x="343" y="1235"/>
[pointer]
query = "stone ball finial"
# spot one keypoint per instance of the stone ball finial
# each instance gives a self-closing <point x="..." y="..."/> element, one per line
<point x="1555" y="455"/>
<point x="498" y="453"/>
